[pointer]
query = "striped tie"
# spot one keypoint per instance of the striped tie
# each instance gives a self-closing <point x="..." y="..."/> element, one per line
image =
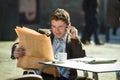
<point x="59" y="48"/>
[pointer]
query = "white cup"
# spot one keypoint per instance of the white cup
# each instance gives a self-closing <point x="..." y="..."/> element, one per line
<point x="62" y="56"/>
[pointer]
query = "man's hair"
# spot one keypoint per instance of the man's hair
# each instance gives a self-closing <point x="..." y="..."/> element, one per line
<point x="61" y="14"/>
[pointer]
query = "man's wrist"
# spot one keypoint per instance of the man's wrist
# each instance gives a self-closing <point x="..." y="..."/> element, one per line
<point x="74" y="38"/>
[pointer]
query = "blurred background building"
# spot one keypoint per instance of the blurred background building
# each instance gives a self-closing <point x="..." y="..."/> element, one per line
<point x="35" y="14"/>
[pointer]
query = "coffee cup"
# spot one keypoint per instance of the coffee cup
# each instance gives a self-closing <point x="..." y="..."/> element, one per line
<point x="62" y="56"/>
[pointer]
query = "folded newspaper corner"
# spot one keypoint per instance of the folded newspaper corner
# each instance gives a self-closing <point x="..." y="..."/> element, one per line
<point x="95" y="60"/>
<point x="38" y="48"/>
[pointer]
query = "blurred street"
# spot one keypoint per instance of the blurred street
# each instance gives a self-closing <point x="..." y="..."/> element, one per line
<point x="110" y="49"/>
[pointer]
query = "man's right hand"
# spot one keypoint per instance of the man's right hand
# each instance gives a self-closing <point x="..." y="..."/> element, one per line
<point x="19" y="51"/>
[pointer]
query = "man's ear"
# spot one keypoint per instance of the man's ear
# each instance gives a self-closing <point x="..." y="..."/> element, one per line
<point x="67" y="26"/>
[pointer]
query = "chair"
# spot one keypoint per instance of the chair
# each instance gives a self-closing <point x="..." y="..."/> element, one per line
<point x="27" y="77"/>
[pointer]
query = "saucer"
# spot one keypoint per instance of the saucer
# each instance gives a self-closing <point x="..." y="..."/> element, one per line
<point x="57" y="62"/>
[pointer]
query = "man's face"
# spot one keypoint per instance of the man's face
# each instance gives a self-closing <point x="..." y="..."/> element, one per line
<point x="59" y="28"/>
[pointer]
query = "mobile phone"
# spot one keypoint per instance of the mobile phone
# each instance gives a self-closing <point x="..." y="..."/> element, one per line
<point x="68" y="31"/>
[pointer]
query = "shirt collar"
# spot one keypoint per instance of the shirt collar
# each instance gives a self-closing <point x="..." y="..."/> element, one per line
<point x="63" y="38"/>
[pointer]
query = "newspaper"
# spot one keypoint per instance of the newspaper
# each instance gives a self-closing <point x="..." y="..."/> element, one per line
<point x="95" y="60"/>
<point x="38" y="48"/>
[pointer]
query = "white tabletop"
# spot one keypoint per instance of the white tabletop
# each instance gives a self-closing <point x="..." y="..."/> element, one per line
<point x="99" y="68"/>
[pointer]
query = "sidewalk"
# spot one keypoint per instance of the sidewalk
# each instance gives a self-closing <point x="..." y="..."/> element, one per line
<point x="111" y="49"/>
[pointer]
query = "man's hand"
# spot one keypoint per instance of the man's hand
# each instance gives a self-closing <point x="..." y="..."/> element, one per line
<point x="19" y="51"/>
<point x="73" y="32"/>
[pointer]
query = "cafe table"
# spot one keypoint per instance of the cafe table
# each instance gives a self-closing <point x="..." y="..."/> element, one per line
<point x="85" y="66"/>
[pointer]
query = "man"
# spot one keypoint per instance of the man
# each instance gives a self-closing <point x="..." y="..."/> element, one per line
<point x="91" y="22"/>
<point x="61" y="30"/>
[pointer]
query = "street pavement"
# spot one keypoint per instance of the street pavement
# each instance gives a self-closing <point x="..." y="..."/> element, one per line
<point x="110" y="49"/>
